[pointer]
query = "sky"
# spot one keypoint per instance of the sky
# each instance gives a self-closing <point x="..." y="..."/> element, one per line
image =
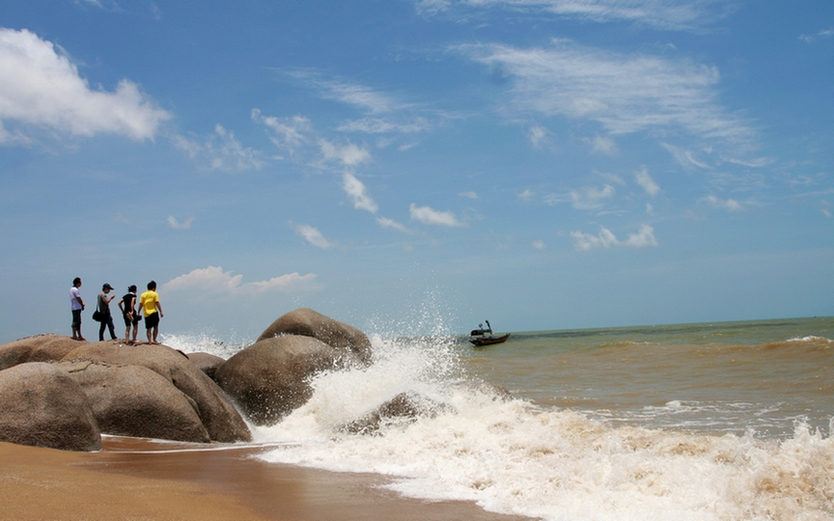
<point x="417" y="166"/>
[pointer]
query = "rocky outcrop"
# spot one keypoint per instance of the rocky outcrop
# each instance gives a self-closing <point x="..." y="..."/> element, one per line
<point x="43" y="406"/>
<point x="306" y="322"/>
<point x="62" y="393"/>
<point x="132" y="400"/>
<point x="38" y="348"/>
<point x="270" y="378"/>
<point x="404" y="408"/>
<point x="206" y="362"/>
<point x="216" y="411"/>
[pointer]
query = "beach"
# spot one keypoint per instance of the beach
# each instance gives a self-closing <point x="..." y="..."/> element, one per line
<point x="140" y="479"/>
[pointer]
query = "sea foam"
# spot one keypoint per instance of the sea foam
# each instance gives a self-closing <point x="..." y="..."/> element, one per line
<point x="510" y="456"/>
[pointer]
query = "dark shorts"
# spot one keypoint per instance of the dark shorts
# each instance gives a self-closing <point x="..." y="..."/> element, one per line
<point x="137" y="317"/>
<point x="151" y="321"/>
<point x="76" y="318"/>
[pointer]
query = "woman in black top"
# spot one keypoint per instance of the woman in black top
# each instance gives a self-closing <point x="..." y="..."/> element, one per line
<point x="132" y="318"/>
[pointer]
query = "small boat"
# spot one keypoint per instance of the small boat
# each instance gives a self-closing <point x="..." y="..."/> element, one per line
<point x="484" y="337"/>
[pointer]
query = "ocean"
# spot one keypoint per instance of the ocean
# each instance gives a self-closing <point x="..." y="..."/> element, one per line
<point x="719" y="421"/>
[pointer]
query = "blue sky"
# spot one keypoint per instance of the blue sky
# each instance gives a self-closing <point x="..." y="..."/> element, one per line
<point x="418" y="165"/>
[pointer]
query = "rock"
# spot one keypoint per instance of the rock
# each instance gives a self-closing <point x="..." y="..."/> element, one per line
<point x="39" y="348"/>
<point x="206" y="362"/>
<point x="403" y="408"/>
<point x="270" y="378"/>
<point x="217" y="413"/>
<point x="134" y="401"/>
<point x="306" y="322"/>
<point x="43" y="406"/>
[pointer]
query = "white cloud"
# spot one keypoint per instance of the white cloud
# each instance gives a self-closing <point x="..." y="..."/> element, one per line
<point x="313" y="236"/>
<point x="348" y="155"/>
<point x="537" y="135"/>
<point x="469" y="195"/>
<point x="41" y="87"/>
<point x="360" y="96"/>
<point x="214" y="280"/>
<point x="385" y="222"/>
<point x="427" y="215"/>
<point x="810" y="38"/>
<point x="539" y="245"/>
<point x="176" y="225"/>
<point x="526" y="195"/>
<point x="286" y="133"/>
<point x="731" y="205"/>
<point x="221" y="151"/>
<point x="686" y="158"/>
<point x="646" y="181"/>
<point x="356" y="190"/>
<point x="383" y="126"/>
<point x="677" y="15"/>
<point x="591" y="198"/>
<point x="603" y="145"/>
<point x="625" y="93"/>
<point x="606" y="239"/>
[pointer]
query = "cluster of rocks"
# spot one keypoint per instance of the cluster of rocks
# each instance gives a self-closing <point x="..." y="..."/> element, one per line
<point x="56" y="392"/>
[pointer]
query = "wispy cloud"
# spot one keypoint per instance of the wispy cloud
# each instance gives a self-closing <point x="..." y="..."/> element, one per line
<point x="646" y="182"/>
<point x="288" y="134"/>
<point x="810" y="38"/>
<point x="537" y="135"/>
<point x="539" y="245"/>
<point x="730" y="205"/>
<point x="214" y="280"/>
<point x="385" y="222"/>
<point x="603" y="145"/>
<point x="385" y="126"/>
<point x="661" y="14"/>
<point x="590" y="198"/>
<point x="176" y="225"/>
<point x="360" y="96"/>
<point x="41" y="88"/>
<point x="221" y="151"/>
<point x="358" y="194"/>
<point x="349" y="154"/>
<point x="606" y="239"/>
<point x="312" y="235"/>
<point x="625" y="93"/>
<point x="427" y="215"/>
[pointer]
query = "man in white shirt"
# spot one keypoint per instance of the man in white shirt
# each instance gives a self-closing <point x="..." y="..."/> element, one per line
<point x="77" y="308"/>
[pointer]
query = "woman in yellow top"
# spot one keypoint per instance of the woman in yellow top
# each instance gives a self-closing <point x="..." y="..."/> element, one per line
<point x="149" y="301"/>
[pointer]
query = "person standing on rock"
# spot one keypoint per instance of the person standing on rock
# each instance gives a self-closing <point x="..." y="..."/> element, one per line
<point x="104" y="299"/>
<point x="149" y="301"/>
<point x="132" y="317"/>
<point x="77" y="307"/>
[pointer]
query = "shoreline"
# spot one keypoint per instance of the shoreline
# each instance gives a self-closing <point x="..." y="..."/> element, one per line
<point x="151" y="480"/>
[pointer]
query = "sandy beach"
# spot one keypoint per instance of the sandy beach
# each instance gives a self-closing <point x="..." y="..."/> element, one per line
<point x="144" y="480"/>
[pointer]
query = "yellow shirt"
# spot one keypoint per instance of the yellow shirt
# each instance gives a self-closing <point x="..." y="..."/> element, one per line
<point x="148" y="301"/>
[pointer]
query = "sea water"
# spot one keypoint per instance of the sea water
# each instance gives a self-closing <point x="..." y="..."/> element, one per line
<point x="726" y="421"/>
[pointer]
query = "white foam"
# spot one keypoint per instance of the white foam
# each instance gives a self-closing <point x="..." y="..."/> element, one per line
<point x="511" y="457"/>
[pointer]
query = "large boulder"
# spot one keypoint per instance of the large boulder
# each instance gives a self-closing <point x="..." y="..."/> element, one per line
<point x="402" y="409"/>
<point x="206" y="362"/>
<point x="217" y="413"/>
<point x="307" y="322"/>
<point x="134" y="401"/>
<point x="272" y="377"/>
<point x="38" y="348"/>
<point x="43" y="406"/>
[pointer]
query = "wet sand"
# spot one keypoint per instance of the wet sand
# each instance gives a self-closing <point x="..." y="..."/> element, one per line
<point x="143" y="480"/>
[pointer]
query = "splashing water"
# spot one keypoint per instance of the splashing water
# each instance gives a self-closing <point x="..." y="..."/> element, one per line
<point x="510" y="456"/>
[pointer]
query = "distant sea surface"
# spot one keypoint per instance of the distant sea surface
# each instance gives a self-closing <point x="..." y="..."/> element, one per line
<point x="723" y="421"/>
